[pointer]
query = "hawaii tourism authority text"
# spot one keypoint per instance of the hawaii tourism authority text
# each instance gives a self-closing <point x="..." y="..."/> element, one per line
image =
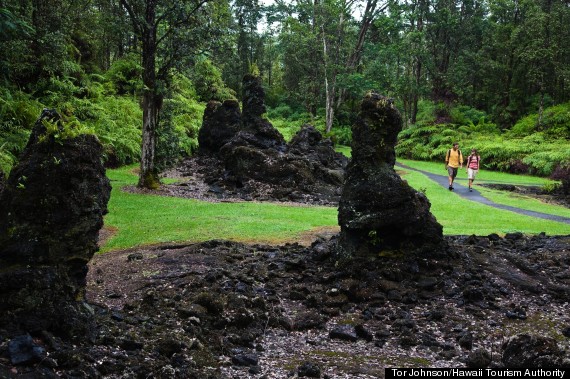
<point x="392" y="373"/>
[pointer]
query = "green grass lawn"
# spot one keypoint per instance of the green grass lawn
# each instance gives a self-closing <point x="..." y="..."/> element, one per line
<point x="461" y="216"/>
<point x="500" y="197"/>
<point x="138" y="220"/>
<point x="483" y="175"/>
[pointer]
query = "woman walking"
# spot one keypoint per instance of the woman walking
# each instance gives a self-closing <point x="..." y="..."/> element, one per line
<point x="473" y="163"/>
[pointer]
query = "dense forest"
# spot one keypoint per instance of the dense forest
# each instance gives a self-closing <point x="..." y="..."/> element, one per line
<point x="493" y="74"/>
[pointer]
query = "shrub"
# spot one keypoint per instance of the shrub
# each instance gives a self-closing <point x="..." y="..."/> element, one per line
<point x="124" y="75"/>
<point x="340" y="135"/>
<point x="282" y="111"/>
<point x="465" y="115"/>
<point x="555" y="123"/>
<point x="208" y="82"/>
<point x="426" y="111"/>
<point x="181" y="119"/>
<point x="117" y="122"/>
<point x="562" y="173"/>
<point x="18" y="113"/>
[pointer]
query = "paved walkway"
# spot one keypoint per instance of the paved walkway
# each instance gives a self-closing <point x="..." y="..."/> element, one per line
<point x="463" y="191"/>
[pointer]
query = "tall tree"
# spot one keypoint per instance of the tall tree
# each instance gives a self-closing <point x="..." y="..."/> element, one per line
<point x="372" y="8"/>
<point x="163" y="28"/>
<point x="248" y="15"/>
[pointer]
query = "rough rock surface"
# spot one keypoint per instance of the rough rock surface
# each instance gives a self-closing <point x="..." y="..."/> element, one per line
<point x="226" y="310"/>
<point x="51" y="211"/>
<point x="528" y="350"/>
<point x="221" y="122"/>
<point x="253" y="123"/>
<point x="378" y="210"/>
<point x="244" y="156"/>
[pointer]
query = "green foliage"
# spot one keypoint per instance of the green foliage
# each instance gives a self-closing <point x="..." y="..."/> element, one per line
<point x="18" y="113"/>
<point x="281" y="111"/>
<point x="207" y="79"/>
<point x="181" y="119"/>
<point x="287" y="128"/>
<point x="64" y="129"/>
<point x="117" y="123"/>
<point x="523" y="150"/>
<point x="124" y="76"/>
<point x="340" y="135"/>
<point x="426" y="111"/>
<point x="465" y="115"/>
<point x="555" y="123"/>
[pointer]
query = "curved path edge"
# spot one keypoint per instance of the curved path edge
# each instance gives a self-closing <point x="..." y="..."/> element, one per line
<point x="476" y="196"/>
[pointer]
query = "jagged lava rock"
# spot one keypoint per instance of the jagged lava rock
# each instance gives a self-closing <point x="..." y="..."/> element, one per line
<point x="220" y="123"/>
<point x="51" y="210"/>
<point x="378" y="210"/>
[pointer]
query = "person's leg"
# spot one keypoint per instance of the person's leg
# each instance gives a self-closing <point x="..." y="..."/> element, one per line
<point x="450" y="177"/>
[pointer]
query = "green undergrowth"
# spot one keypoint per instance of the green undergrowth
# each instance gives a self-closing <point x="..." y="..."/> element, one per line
<point x="140" y="220"/>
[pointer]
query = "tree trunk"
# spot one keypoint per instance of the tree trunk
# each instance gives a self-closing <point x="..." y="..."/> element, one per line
<point x="330" y="86"/>
<point x="540" y="109"/>
<point x="415" y="91"/>
<point x="152" y="101"/>
<point x="148" y="177"/>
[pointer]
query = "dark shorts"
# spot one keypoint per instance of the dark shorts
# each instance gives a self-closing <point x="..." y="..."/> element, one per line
<point x="452" y="171"/>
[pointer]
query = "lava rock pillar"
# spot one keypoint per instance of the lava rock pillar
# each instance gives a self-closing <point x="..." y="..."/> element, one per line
<point x="379" y="211"/>
<point x="51" y="211"/>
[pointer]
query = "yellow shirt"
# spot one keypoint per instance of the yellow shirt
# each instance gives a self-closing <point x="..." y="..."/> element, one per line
<point x="455" y="158"/>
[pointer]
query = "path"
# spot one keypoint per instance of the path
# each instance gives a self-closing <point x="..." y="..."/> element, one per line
<point x="463" y="191"/>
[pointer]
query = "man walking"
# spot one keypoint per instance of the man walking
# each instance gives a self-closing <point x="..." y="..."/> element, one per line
<point x="453" y="160"/>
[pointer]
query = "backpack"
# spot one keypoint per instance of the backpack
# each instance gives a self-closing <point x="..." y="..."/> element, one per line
<point x="469" y="160"/>
<point x="449" y="154"/>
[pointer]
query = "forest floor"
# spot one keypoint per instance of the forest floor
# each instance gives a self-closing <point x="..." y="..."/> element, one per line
<point x="254" y="311"/>
<point x="220" y="309"/>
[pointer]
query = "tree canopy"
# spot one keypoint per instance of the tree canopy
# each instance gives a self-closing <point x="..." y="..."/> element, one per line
<point x="506" y="59"/>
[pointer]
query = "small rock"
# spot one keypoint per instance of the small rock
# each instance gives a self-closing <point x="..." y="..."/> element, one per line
<point x="517" y="314"/>
<point x="524" y="350"/>
<point x="427" y="283"/>
<point x="169" y="347"/>
<point x="514" y="236"/>
<point x="479" y="358"/>
<point x="344" y="332"/>
<point x="131" y="345"/>
<point x="134" y="257"/>
<point x="255" y="370"/>
<point x="473" y="294"/>
<point x="466" y="340"/>
<point x="363" y="333"/>
<point x="308" y="320"/>
<point x="23" y="350"/>
<point x="245" y="359"/>
<point x="309" y="370"/>
<point x="436" y="315"/>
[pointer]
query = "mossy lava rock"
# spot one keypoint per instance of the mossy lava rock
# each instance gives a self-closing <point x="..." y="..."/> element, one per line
<point x="51" y="210"/>
<point x="379" y="211"/>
